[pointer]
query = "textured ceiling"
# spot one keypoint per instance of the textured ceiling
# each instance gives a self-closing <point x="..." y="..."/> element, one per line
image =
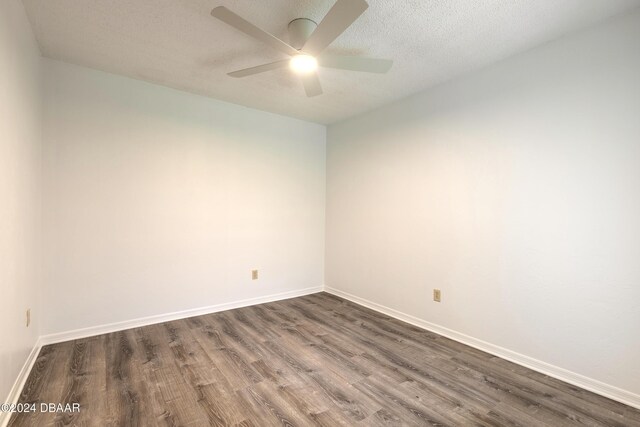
<point x="177" y="43"/>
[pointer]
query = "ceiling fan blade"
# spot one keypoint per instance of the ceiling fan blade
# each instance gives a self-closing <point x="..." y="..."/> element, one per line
<point x="338" y="19"/>
<point x="260" y="68"/>
<point x="311" y="84"/>
<point x="355" y="63"/>
<point x="241" y="24"/>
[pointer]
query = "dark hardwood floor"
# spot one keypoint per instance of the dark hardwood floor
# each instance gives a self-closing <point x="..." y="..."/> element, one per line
<point x="313" y="360"/>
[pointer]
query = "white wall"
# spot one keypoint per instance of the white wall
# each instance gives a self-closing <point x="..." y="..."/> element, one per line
<point x="159" y="201"/>
<point x="516" y="191"/>
<point x="20" y="152"/>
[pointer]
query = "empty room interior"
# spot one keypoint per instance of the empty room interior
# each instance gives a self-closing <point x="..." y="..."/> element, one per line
<point x="320" y="213"/>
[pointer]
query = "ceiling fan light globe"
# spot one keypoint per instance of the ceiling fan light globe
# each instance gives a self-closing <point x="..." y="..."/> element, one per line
<point x="303" y="64"/>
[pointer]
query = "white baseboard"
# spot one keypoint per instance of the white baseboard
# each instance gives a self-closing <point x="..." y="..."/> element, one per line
<point x="150" y="320"/>
<point x="14" y="394"/>
<point x="18" y="385"/>
<point x="595" y="386"/>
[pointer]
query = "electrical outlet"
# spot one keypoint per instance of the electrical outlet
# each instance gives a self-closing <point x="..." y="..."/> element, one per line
<point x="436" y="295"/>
<point x="28" y="317"/>
<point x="254" y="274"/>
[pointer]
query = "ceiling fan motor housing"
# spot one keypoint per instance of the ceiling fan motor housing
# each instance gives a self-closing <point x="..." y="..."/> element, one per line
<point x="299" y="31"/>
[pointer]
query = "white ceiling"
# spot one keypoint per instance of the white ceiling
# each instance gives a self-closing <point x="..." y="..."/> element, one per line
<point x="177" y="43"/>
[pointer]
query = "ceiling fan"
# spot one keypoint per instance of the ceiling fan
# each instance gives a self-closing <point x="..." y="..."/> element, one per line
<point x="307" y="42"/>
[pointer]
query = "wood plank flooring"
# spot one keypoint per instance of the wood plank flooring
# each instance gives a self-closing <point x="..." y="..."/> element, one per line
<point x="313" y="360"/>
